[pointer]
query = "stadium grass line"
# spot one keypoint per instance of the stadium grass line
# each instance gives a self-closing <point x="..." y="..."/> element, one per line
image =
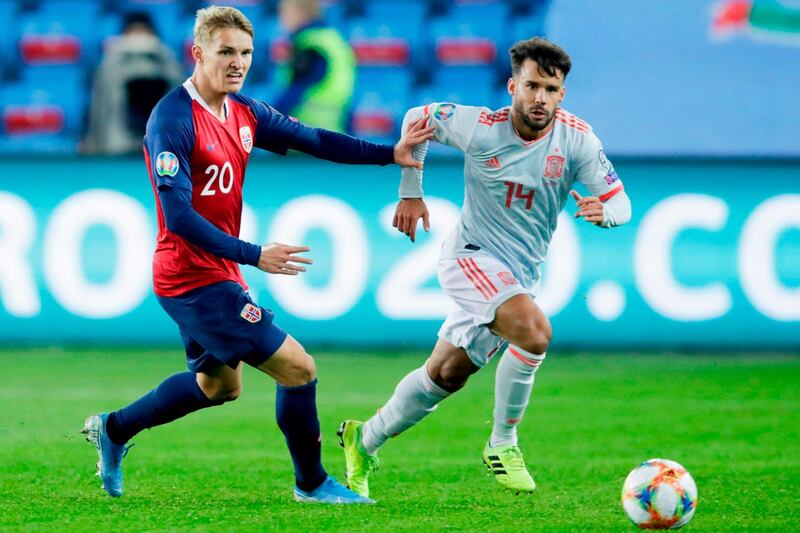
<point x="731" y="420"/>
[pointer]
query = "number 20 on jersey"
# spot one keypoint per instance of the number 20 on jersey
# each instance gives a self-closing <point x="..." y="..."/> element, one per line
<point x="221" y="179"/>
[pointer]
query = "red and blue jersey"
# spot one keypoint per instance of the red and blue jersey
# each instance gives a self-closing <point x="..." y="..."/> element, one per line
<point x="197" y="163"/>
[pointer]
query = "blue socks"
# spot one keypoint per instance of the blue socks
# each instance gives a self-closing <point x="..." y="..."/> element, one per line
<point x="296" y="413"/>
<point x="175" y="397"/>
<point x="179" y="395"/>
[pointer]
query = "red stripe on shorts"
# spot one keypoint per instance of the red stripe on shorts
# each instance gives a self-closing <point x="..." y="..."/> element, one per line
<point x="480" y="272"/>
<point x="491" y="290"/>
<point x="465" y="267"/>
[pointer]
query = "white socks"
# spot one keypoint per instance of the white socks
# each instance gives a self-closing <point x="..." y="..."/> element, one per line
<point x="417" y="395"/>
<point x="512" y="390"/>
<point x="414" y="398"/>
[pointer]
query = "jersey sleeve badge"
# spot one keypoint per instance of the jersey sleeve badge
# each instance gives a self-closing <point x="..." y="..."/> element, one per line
<point x="443" y="112"/>
<point x="611" y="177"/>
<point x="251" y="313"/>
<point x="167" y="164"/>
<point x="246" y="136"/>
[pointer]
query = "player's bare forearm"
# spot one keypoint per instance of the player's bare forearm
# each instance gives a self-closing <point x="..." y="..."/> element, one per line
<point x="277" y="258"/>
<point x="408" y="213"/>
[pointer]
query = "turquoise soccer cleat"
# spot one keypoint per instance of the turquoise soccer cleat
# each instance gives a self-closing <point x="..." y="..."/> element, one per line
<point x="331" y="491"/>
<point x="109" y="467"/>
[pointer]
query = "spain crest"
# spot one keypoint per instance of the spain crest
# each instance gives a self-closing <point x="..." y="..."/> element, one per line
<point x="246" y="136"/>
<point x="554" y="167"/>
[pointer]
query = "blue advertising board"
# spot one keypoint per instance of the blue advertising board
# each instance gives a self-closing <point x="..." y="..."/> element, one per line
<point x="711" y="257"/>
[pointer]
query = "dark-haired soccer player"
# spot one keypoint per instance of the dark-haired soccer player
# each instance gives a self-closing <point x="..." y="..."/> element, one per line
<point x="199" y="138"/>
<point x="520" y="165"/>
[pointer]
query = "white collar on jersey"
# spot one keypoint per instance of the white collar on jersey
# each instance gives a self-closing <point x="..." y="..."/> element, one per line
<point x="192" y="90"/>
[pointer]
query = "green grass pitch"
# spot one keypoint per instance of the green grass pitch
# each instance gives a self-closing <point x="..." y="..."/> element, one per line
<point x="733" y="421"/>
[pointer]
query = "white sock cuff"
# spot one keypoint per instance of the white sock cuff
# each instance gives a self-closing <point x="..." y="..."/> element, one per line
<point x="429" y="385"/>
<point x="528" y="358"/>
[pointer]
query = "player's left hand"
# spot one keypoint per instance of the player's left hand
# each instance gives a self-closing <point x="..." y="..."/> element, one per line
<point x="408" y="213"/>
<point x="417" y="133"/>
<point x="589" y="207"/>
<point x="278" y="258"/>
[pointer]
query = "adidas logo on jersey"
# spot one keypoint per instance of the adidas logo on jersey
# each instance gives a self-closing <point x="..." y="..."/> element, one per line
<point x="494" y="163"/>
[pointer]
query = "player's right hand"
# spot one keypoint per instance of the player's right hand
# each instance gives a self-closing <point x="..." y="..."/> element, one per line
<point x="406" y="215"/>
<point x="418" y="132"/>
<point x="590" y="208"/>
<point x="277" y="258"/>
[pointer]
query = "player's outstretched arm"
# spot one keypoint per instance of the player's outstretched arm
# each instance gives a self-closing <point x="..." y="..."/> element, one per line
<point x="277" y="258"/>
<point x="341" y="148"/>
<point x="408" y="213"/>
<point x="278" y="133"/>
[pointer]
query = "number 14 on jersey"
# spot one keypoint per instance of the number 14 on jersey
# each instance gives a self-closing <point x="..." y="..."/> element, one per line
<point x="516" y="190"/>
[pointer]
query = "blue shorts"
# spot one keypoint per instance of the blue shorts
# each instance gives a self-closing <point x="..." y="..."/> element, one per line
<point x="220" y="324"/>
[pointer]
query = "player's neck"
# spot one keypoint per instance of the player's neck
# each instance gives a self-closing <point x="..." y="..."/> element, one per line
<point x="213" y="99"/>
<point x="525" y="132"/>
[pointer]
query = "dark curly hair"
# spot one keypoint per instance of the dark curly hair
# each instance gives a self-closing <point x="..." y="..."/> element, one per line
<point x="549" y="56"/>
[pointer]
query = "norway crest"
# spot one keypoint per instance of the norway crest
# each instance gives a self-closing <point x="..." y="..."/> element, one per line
<point x="251" y="313"/>
<point x="246" y="136"/>
<point x="554" y="166"/>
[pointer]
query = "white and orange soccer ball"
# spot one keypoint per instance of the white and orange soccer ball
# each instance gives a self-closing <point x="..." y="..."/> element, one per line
<point x="659" y="494"/>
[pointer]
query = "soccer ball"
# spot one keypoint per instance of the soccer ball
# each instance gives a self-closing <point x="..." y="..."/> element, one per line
<point x="659" y="494"/>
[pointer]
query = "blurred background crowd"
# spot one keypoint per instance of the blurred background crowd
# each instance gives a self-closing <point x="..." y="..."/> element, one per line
<point x="84" y="74"/>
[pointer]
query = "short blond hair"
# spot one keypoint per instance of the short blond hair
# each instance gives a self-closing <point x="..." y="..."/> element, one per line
<point x="210" y="20"/>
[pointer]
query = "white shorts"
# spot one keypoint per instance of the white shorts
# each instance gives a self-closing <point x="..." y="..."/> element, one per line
<point x="478" y="284"/>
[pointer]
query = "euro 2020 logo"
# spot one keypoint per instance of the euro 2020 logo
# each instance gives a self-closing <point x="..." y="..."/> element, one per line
<point x="167" y="164"/>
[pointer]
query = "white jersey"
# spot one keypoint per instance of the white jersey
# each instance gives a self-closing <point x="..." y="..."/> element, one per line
<point x="514" y="190"/>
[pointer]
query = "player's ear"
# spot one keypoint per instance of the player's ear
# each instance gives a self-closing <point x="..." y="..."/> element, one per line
<point x="197" y="53"/>
<point x="563" y="93"/>
<point x="511" y="85"/>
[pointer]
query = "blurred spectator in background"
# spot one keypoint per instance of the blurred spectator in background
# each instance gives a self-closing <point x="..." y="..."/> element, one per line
<point x="136" y="71"/>
<point x="322" y="68"/>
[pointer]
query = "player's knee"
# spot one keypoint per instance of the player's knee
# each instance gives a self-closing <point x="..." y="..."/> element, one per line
<point x="307" y="371"/>
<point x="536" y="338"/>
<point x="224" y="392"/>
<point x="450" y="377"/>
<point x="300" y="370"/>
<point x="229" y="395"/>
